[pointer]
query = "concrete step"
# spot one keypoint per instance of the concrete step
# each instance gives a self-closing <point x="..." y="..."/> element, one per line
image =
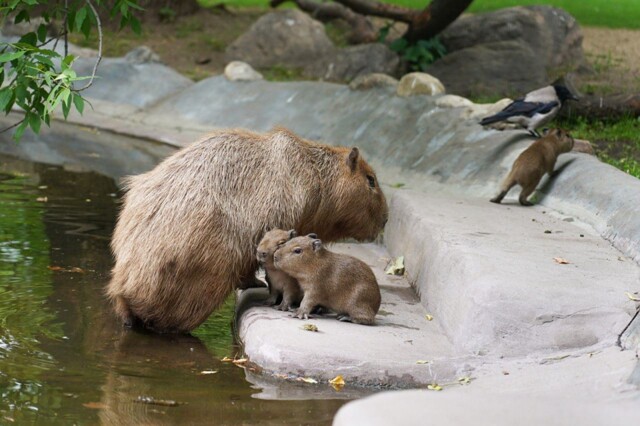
<point x="488" y="273"/>
<point x="386" y="354"/>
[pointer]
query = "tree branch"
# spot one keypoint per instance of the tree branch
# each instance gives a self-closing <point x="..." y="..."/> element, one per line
<point x="6" y="129"/>
<point x="383" y="10"/>
<point x="99" y="58"/>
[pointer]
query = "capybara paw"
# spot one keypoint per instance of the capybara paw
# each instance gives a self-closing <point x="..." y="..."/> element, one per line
<point x="283" y="307"/>
<point x="344" y="318"/>
<point x="495" y="200"/>
<point x="526" y="203"/>
<point x="301" y="314"/>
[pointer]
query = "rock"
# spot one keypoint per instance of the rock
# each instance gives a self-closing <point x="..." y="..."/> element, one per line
<point x="354" y="61"/>
<point x="288" y="38"/>
<point x="584" y="146"/>
<point x="453" y="101"/>
<point x="241" y="71"/>
<point x="510" y="51"/>
<point x="142" y="55"/>
<point x="418" y="83"/>
<point x="370" y="81"/>
<point x="11" y="29"/>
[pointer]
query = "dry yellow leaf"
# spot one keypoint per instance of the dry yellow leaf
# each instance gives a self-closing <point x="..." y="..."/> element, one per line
<point x="227" y="359"/>
<point x="309" y="327"/>
<point x="464" y="380"/>
<point x="429" y="317"/>
<point x="561" y="261"/>
<point x="632" y="297"/>
<point x="422" y="361"/>
<point x="307" y="380"/>
<point x="205" y="372"/>
<point x="338" y="380"/>
<point x="240" y="361"/>
<point x="435" y="387"/>
<point x="42" y="199"/>
<point x="95" y="405"/>
<point x="396" y="266"/>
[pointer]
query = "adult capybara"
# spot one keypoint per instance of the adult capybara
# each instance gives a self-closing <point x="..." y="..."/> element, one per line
<point x="189" y="228"/>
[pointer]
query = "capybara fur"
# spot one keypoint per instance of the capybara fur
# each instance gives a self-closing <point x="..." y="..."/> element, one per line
<point x="189" y="228"/>
<point x="339" y="282"/>
<point x="281" y="285"/>
<point x="539" y="158"/>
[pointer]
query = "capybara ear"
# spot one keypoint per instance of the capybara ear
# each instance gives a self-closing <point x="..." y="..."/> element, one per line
<point x="314" y="236"/>
<point x="292" y="233"/>
<point x="316" y="244"/>
<point x="352" y="161"/>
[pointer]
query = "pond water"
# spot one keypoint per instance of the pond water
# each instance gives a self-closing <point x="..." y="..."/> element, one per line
<point x="64" y="359"/>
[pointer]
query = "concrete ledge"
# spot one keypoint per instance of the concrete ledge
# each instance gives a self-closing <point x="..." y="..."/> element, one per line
<point x="386" y="354"/>
<point x="488" y="273"/>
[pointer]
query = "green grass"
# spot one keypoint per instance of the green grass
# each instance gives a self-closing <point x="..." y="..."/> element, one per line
<point x="597" y="13"/>
<point x="616" y="142"/>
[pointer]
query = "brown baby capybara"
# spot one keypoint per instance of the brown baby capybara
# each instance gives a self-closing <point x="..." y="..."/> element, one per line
<point x="189" y="228"/>
<point x="281" y="285"/>
<point x="339" y="282"/>
<point x="533" y="163"/>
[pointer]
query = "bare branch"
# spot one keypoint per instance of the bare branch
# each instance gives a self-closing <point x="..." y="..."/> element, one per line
<point x="99" y="58"/>
<point x="6" y="129"/>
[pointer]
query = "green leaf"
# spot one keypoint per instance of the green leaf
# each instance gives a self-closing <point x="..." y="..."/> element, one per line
<point x="22" y="16"/>
<point x="42" y="33"/>
<point x="29" y="38"/>
<point x="81" y="15"/>
<point x="135" y="25"/>
<point x="20" y="130"/>
<point x="78" y="102"/>
<point x="66" y="108"/>
<point x="5" y="99"/>
<point x="34" y="122"/>
<point x="10" y="56"/>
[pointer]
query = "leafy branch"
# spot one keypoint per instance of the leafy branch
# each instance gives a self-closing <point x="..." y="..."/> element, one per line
<point x="38" y="79"/>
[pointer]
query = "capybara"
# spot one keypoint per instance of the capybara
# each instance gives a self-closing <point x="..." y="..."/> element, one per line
<point x="281" y="285"/>
<point x="339" y="282"/>
<point x="533" y="163"/>
<point x="189" y="228"/>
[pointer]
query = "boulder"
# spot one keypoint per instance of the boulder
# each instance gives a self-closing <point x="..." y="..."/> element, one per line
<point x="241" y="71"/>
<point x="509" y="51"/>
<point x="453" y="101"/>
<point x="370" y="81"/>
<point x="418" y="83"/>
<point x="142" y="55"/>
<point x="354" y="61"/>
<point x="288" y="38"/>
<point x="292" y="39"/>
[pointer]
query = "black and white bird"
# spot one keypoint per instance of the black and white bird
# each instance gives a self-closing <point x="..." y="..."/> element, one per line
<point x="535" y="110"/>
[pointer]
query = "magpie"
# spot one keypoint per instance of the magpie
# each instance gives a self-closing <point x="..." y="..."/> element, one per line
<point x="535" y="110"/>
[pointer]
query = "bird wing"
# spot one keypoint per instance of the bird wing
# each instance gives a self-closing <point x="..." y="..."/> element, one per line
<point x="520" y="108"/>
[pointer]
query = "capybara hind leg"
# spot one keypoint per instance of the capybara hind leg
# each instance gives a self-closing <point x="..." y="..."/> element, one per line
<point x="121" y="307"/>
<point x="503" y="191"/>
<point x="359" y="317"/>
<point x="526" y="191"/>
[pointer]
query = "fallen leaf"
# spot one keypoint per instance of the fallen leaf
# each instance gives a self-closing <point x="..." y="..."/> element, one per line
<point x="429" y="317"/>
<point x="547" y="231"/>
<point x="43" y="187"/>
<point x="55" y="268"/>
<point x="338" y="380"/>
<point x="152" y="401"/>
<point x="435" y="387"/>
<point x="506" y="373"/>
<point x="42" y="199"/>
<point x="309" y="327"/>
<point x="240" y="361"/>
<point x="307" y="380"/>
<point x="77" y="270"/>
<point x="561" y="261"/>
<point x="95" y="405"/>
<point x="226" y="359"/>
<point x="632" y="297"/>
<point x="398" y="185"/>
<point x="465" y="380"/>
<point x="206" y="372"/>
<point x="396" y="266"/>
<point x="422" y="361"/>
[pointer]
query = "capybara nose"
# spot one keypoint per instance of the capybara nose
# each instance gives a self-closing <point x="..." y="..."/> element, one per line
<point x="262" y="255"/>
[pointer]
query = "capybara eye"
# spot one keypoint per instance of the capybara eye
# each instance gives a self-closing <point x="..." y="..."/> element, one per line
<point x="372" y="181"/>
<point x="297" y="250"/>
<point x="281" y="242"/>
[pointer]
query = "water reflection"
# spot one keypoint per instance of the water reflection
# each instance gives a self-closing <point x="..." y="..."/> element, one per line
<point x="63" y="357"/>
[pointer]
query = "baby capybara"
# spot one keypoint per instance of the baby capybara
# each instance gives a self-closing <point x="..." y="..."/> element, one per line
<point x="533" y="163"/>
<point x="339" y="282"/>
<point x="189" y="228"/>
<point x="281" y="285"/>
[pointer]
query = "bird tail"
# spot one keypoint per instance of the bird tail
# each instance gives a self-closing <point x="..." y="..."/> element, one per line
<point x="495" y="118"/>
